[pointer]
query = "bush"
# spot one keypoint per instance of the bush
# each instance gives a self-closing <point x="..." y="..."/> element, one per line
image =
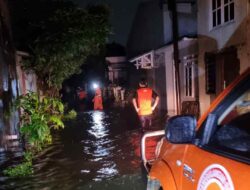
<point x="38" y="116"/>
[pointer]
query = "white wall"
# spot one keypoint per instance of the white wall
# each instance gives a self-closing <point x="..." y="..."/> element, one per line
<point x="186" y="47"/>
<point x="235" y="33"/>
<point x="225" y="35"/>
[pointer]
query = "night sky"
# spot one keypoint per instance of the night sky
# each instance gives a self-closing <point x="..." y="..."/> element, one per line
<point x="122" y="15"/>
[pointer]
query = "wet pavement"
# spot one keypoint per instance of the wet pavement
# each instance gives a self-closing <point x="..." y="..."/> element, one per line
<point x="98" y="150"/>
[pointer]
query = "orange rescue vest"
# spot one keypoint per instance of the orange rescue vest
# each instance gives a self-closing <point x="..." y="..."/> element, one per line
<point x="98" y="100"/>
<point x="144" y="101"/>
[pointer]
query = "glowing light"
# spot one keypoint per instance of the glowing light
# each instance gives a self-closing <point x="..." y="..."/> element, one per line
<point x="95" y="85"/>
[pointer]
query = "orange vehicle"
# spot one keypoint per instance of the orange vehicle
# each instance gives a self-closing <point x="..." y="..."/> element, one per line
<point x="211" y="154"/>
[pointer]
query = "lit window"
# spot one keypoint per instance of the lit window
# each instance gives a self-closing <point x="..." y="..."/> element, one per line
<point x="222" y="11"/>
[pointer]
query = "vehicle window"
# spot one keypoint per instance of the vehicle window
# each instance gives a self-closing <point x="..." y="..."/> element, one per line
<point x="233" y="128"/>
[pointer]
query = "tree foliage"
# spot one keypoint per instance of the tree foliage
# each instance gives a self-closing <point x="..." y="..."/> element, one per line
<point x="60" y="36"/>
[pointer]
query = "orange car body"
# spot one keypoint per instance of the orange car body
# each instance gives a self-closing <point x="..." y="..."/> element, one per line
<point x="192" y="166"/>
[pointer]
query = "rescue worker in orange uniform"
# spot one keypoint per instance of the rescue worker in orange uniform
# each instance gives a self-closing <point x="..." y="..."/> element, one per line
<point x="98" y="99"/>
<point x="144" y="104"/>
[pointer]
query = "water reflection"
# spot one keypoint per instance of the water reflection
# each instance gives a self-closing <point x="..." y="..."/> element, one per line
<point x="98" y="128"/>
<point x="102" y="146"/>
<point x="99" y="150"/>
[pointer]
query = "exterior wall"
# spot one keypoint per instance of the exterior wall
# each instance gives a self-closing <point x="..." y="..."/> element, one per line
<point x="164" y="82"/>
<point x="116" y="59"/>
<point x="170" y="99"/>
<point x="8" y="83"/>
<point x="152" y="29"/>
<point x="187" y="22"/>
<point x="232" y="34"/>
<point x="117" y="69"/>
<point x="27" y="80"/>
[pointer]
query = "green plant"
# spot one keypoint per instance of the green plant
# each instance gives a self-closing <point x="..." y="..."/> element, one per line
<point x="23" y="169"/>
<point x="70" y="115"/>
<point x="38" y="116"/>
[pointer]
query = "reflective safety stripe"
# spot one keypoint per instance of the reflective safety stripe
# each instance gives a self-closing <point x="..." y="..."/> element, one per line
<point x="144" y="101"/>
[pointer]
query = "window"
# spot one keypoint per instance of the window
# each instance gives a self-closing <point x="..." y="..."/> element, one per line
<point x="232" y="134"/>
<point x="222" y="11"/>
<point x="228" y="10"/>
<point x="216" y="9"/>
<point x="189" y="75"/>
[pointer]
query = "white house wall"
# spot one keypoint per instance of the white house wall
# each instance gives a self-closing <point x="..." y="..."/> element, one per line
<point x="225" y="35"/>
<point x="170" y="82"/>
<point x="187" y="47"/>
<point x="235" y="33"/>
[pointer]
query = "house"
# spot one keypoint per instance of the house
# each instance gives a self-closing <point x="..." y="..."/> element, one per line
<point x="8" y="79"/>
<point x="116" y="61"/>
<point x="224" y="45"/>
<point x="150" y="48"/>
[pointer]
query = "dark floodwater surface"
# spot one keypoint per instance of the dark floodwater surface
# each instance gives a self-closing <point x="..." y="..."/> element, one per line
<point x="98" y="150"/>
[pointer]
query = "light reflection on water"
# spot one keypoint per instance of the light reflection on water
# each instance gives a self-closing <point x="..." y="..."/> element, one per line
<point x="100" y="150"/>
<point x="101" y="146"/>
<point x="98" y="128"/>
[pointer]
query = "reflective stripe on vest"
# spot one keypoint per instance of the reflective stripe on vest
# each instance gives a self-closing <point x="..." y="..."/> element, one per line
<point x="144" y="101"/>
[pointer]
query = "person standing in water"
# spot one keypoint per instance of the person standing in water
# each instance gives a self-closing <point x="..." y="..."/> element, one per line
<point x="97" y="100"/>
<point x="145" y="101"/>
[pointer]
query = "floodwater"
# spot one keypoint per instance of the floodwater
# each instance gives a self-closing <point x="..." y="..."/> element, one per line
<point x="98" y="150"/>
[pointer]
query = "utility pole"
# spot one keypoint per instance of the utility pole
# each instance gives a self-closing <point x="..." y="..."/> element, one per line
<point x="175" y="32"/>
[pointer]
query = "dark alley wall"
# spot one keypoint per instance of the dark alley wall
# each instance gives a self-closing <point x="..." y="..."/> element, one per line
<point x="8" y="78"/>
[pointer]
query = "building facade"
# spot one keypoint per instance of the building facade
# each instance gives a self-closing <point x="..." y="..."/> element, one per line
<point x="156" y="58"/>
<point x="9" y="118"/>
<point x="224" y="45"/>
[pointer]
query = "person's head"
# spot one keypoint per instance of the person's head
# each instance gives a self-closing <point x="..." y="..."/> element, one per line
<point x="143" y="83"/>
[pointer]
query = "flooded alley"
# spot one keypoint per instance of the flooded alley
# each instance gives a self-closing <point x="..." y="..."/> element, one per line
<point x="98" y="150"/>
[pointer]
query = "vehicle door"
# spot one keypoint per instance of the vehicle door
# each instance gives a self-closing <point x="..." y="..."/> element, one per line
<point x="220" y="156"/>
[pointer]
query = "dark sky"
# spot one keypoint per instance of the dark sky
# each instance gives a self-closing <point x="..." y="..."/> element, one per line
<point x="122" y="15"/>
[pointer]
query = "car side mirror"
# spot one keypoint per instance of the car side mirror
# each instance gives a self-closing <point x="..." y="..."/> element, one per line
<point x="181" y="129"/>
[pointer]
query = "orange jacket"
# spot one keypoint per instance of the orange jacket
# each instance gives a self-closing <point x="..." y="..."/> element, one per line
<point x="98" y="102"/>
<point x="144" y="101"/>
